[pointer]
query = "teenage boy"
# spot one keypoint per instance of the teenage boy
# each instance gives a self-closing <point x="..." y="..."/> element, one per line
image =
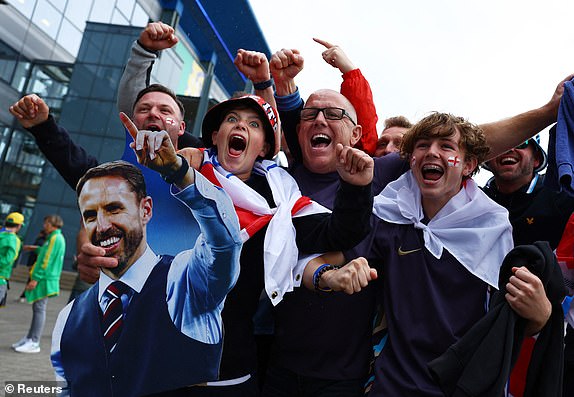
<point x="434" y="286"/>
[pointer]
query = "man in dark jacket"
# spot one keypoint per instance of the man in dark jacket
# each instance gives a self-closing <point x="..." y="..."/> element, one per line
<point x="536" y="213"/>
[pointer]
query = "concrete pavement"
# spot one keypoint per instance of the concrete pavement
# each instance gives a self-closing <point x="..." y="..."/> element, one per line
<point x="15" y="320"/>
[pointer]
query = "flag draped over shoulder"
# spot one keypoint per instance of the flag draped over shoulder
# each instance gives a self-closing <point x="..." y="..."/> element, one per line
<point x="280" y="251"/>
<point x="467" y="218"/>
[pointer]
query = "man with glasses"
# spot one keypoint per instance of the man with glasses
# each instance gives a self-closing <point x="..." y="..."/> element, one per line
<point x="307" y="357"/>
<point x="236" y="150"/>
<point x="309" y="114"/>
<point x="244" y="134"/>
<point x="536" y="213"/>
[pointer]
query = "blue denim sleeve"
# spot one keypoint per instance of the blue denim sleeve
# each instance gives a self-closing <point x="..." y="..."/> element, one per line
<point x="200" y="278"/>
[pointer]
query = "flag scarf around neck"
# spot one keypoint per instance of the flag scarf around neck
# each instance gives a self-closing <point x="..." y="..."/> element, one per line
<point x="472" y="227"/>
<point x="280" y="253"/>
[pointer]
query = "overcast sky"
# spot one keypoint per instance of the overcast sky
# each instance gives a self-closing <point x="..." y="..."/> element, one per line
<point x="483" y="60"/>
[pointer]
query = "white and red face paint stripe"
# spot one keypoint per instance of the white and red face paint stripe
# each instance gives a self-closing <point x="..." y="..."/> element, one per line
<point x="454" y="161"/>
<point x="169" y="121"/>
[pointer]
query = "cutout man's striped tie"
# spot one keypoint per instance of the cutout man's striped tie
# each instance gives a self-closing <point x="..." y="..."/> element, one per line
<point x="112" y="322"/>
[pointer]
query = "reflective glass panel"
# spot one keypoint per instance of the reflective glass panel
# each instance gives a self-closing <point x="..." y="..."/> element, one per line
<point x="26" y="7"/>
<point x="70" y="37"/>
<point x="126" y="7"/>
<point x="77" y="12"/>
<point x="47" y="18"/>
<point x="102" y="11"/>
<point x="59" y="4"/>
<point x="139" y="17"/>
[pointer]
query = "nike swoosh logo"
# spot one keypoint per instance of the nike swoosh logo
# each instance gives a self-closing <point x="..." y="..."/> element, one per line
<point x="401" y="252"/>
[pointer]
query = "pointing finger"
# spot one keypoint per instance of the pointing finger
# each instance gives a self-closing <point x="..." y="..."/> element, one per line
<point x="130" y="126"/>
<point x="324" y="43"/>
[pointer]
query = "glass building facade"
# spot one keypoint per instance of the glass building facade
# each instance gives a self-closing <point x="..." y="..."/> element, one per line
<point x="72" y="53"/>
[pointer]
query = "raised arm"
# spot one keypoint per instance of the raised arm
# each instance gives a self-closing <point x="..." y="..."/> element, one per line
<point x="358" y="91"/>
<point x="200" y="278"/>
<point x="505" y="134"/>
<point x="70" y="160"/>
<point x="255" y="66"/>
<point x="155" y="37"/>
<point x="285" y="65"/>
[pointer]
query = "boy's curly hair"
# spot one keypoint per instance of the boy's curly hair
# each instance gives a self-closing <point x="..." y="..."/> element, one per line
<point x="441" y="125"/>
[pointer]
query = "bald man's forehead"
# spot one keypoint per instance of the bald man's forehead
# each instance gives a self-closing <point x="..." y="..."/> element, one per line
<point x="329" y="98"/>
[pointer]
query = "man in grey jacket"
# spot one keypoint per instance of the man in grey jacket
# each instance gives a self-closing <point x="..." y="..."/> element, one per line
<point x="156" y="36"/>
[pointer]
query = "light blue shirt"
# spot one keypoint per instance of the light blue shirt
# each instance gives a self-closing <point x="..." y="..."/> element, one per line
<point x="198" y="279"/>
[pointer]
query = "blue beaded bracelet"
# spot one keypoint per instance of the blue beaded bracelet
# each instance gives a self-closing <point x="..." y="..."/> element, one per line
<point x="319" y="272"/>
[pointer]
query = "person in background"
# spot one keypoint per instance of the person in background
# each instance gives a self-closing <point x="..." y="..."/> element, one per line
<point x="10" y="245"/>
<point x="392" y="135"/>
<point x="44" y="282"/>
<point x="38" y="241"/>
<point x="537" y="213"/>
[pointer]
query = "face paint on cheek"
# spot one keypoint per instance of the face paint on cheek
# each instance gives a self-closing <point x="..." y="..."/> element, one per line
<point x="169" y="121"/>
<point x="454" y="161"/>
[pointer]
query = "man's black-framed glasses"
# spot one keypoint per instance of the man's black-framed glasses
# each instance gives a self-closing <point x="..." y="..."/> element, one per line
<point x="331" y="113"/>
<point x="523" y="145"/>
